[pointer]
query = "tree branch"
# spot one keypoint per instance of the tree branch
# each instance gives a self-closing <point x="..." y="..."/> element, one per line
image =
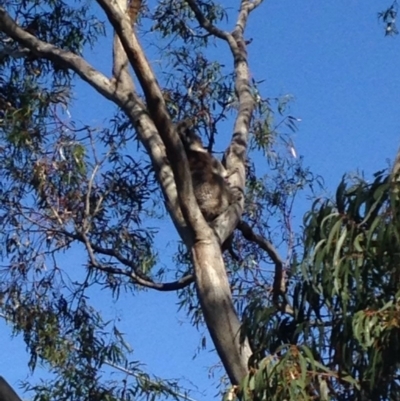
<point x="122" y="95"/>
<point x="206" y="24"/>
<point x="211" y="279"/>
<point x="136" y="276"/>
<point x="162" y="287"/>
<point x="235" y="155"/>
<point x="61" y="57"/>
<point x="159" y="114"/>
<point x="246" y="8"/>
<point x="279" y="285"/>
<point x="120" y="70"/>
<point x="14" y="53"/>
<point x="214" y="281"/>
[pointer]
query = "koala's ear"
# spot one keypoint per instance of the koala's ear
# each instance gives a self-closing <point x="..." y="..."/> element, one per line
<point x="183" y="126"/>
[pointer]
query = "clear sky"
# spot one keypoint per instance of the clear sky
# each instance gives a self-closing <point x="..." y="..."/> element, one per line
<point x="345" y="77"/>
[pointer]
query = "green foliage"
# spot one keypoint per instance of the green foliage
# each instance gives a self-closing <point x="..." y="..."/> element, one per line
<point x="177" y="18"/>
<point x="66" y="187"/>
<point x="67" y="25"/>
<point x="342" y="339"/>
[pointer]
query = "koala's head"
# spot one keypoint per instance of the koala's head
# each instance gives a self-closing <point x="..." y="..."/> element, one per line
<point x="191" y="141"/>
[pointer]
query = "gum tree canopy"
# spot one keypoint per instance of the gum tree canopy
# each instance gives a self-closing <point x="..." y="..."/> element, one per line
<point x="323" y="323"/>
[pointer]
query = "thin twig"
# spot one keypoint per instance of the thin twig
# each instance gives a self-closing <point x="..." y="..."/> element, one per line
<point x="133" y="274"/>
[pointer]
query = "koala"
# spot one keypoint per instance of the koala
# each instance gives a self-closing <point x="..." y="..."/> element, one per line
<point x="211" y="189"/>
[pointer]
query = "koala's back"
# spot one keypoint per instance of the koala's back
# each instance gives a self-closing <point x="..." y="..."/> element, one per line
<point x="210" y="188"/>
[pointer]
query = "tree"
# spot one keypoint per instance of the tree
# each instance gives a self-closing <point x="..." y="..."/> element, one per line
<point x="65" y="186"/>
<point x="100" y="201"/>
<point x="342" y="339"/>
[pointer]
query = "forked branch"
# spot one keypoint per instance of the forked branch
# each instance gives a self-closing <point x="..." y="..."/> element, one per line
<point x="159" y="114"/>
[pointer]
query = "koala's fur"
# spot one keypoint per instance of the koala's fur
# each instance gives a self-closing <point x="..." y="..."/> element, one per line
<point x="210" y="187"/>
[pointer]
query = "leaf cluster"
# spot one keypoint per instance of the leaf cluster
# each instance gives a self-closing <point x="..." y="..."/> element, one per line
<point x="342" y="338"/>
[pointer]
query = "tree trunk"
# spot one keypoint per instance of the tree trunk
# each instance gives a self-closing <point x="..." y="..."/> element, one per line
<point x="219" y="313"/>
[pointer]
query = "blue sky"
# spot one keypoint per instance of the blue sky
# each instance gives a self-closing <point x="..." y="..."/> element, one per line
<point x="345" y="78"/>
